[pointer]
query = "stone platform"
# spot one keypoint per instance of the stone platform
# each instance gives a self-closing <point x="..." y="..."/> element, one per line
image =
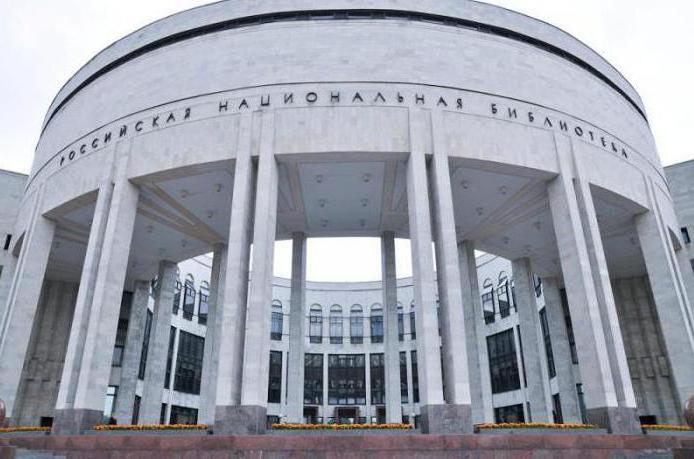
<point x="357" y="446"/>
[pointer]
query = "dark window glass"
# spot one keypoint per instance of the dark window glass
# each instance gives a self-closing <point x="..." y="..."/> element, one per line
<point x="401" y="325"/>
<point x="685" y="235"/>
<point x="505" y="414"/>
<point x="276" y="325"/>
<point x="136" y="410"/>
<point x="346" y="379"/>
<point x="548" y="343"/>
<point x="274" y="387"/>
<point x="378" y="382"/>
<point x="503" y="363"/>
<point x="403" y="377"/>
<point x="188" y="301"/>
<point x="313" y="379"/>
<point x="415" y="377"/>
<point x="556" y="409"/>
<point x="413" y="326"/>
<point x="169" y="357"/>
<point x="356" y="327"/>
<point x="189" y="363"/>
<point x="162" y="414"/>
<point x="522" y="355"/>
<point x="177" y="297"/>
<point x="316" y="326"/>
<point x="203" y="306"/>
<point x="336" y="331"/>
<point x="377" y="326"/>
<point x="502" y="298"/>
<point x="488" y="307"/>
<point x="121" y="335"/>
<point x="270" y="420"/>
<point x="8" y="240"/>
<point x="183" y="415"/>
<point x="569" y="326"/>
<point x="581" y="403"/>
<point x="538" y="286"/>
<point x="145" y="346"/>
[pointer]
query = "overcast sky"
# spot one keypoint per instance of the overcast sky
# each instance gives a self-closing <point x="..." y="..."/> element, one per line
<point x="45" y="41"/>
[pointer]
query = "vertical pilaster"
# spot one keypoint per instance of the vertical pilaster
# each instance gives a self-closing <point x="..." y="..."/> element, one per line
<point x="95" y="369"/>
<point x="210" y="363"/>
<point x="475" y="336"/>
<point x="536" y="373"/>
<point x="672" y="304"/>
<point x="131" y="354"/>
<point x="150" y="408"/>
<point x="22" y="302"/>
<point x="561" y="351"/>
<point x="232" y="313"/>
<point x="297" y="331"/>
<point x="596" y="375"/>
<point x="390" y="304"/>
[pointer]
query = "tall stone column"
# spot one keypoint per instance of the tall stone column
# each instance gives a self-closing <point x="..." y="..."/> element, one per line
<point x="672" y="304"/>
<point x="600" y="394"/>
<point x="390" y="304"/>
<point x="432" y="405"/>
<point x="210" y="361"/>
<point x="536" y="373"/>
<point x="475" y="336"/>
<point x="297" y="331"/>
<point x="561" y="350"/>
<point x="232" y="313"/>
<point x="95" y="368"/>
<point x="22" y="302"/>
<point x="130" y="366"/>
<point x="155" y="371"/>
<point x="85" y="295"/>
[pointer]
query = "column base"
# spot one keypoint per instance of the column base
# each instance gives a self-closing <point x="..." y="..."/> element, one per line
<point x="446" y="419"/>
<point x="617" y="420"/>
<point x="240" y="420"/>
<point x="75" y="421"/>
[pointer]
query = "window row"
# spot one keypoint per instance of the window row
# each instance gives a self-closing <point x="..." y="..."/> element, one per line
<point x="186" y="297"/>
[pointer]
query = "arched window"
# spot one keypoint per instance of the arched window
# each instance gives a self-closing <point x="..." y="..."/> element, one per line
<point x="413" y="323"/>
<point x="376" y="323"/>
<point x="189" y="298"/>
<point x="336" y="324"/>
<point x="401" y="323"/>
<point x="203" y="302"/>
<point x="488" y="301"/>
<point x="315" y="329"/>
<point x="276" y="321"/>
<point x="356" y="324"/>
<point x="502" y="295"/>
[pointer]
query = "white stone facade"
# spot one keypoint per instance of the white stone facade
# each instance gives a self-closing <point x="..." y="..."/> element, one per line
<point x="454" y="124"/>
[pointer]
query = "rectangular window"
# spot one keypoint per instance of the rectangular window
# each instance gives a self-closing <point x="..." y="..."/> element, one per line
<point x="685" y="235"/>
<point x="488" y="307"/>
<point x="356" y="329"/>
<point x="378" y="381"/>
<point x="313" y="379"/>
<point x="522" y="356"/>
<point x="110" y="402"/>
<point x="377" y="329"/>
<point x="556" y="410"/>
<point x="8" y="240"/>
<point x="145" y="346"/>
<point x="121" y="335"/>
<point x="403" y="377"/>
<point x="316" y="327"/>
<point x="401" y="326"/>
<point x="335" y="328"/>
<point x="274" y="387"/>
<point x="183" y="415"/>
<point x="504" y="304"/>
<point x="162" y="414"/>
<point x="581" y="403"/>
<point x="538" y="286"/>
<point x="169" y="357"/>
<point x="415" y="377"/>
<point x="346" y="379"/>
<point x="503" y="362"/>
<point x="548" y="343"/>
<point x="506" y="414"/>
<point x="177" y="297"/>
<point x="203" y="307"/>
<point x="569" y="326"/>
<point x="189" y="363"/>
<point x="276" y="324"/>
<point x="136" y="410"/>
<point x="413" y="326"/>
<point x="188" y="302"/>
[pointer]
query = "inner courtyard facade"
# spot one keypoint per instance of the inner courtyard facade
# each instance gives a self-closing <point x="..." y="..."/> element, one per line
<point x="137" y="270"/>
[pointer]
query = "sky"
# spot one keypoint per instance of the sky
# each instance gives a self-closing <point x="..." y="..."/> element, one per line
<point x="46" y="41"/>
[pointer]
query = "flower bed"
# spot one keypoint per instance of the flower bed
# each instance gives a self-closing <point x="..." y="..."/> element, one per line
<point x="533" y="425"/>
<point x="679" y="428"/>
<point x="342" y="426"/>
<point x="150" y="427"/>
<point x="24" y="429"/>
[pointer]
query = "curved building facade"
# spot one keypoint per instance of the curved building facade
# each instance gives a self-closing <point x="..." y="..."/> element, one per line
<point x="452" y="123"/>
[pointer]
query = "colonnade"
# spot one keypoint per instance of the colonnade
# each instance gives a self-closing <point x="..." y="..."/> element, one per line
<point x="235" y="368"/>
